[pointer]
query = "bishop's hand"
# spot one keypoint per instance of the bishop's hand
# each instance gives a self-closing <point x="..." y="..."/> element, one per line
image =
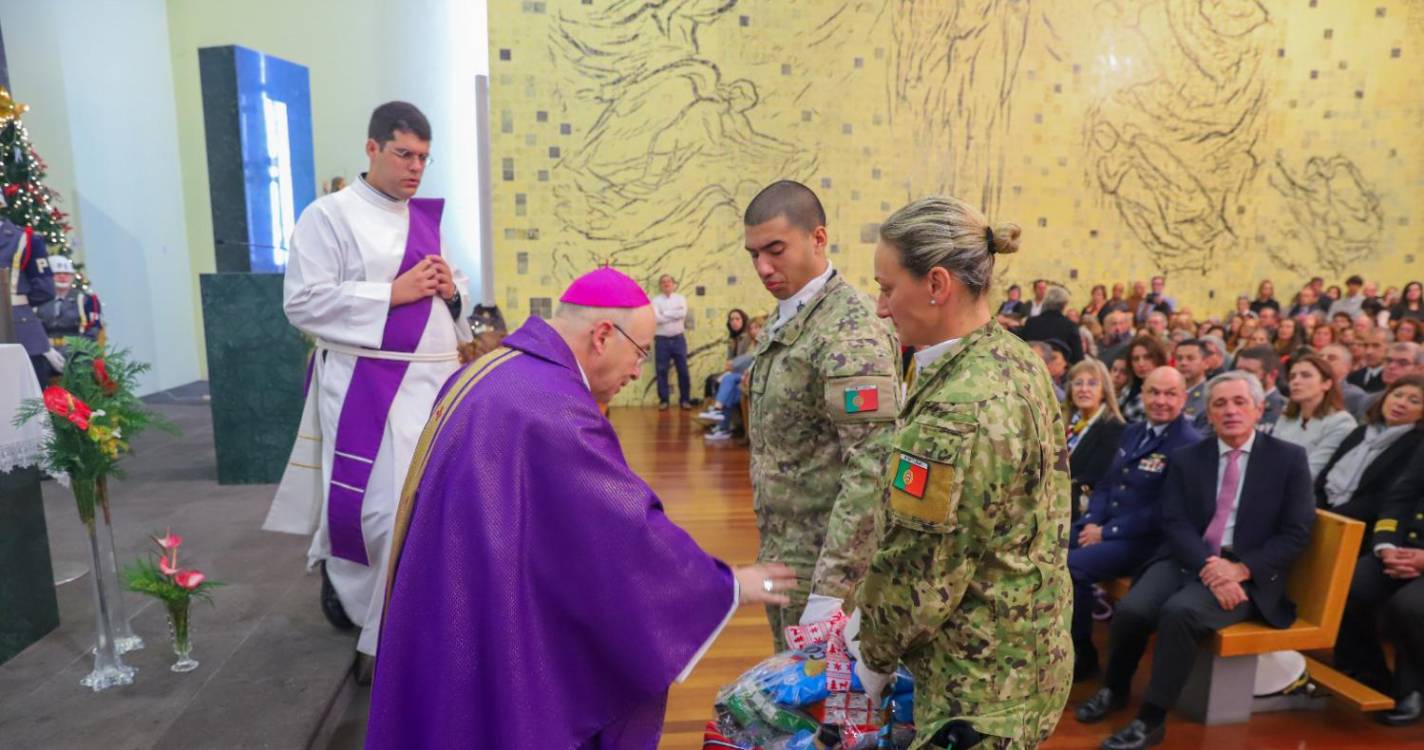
<point x="765" y="583"/>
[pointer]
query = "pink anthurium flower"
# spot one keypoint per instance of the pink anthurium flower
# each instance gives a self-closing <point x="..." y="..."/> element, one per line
<point x="165" y="568"/>
<point x="189" y="579"/>
<point x="169" y="540"/>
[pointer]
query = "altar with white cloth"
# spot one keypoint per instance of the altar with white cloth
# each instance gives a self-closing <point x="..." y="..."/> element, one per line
<point x="28" y="608"/>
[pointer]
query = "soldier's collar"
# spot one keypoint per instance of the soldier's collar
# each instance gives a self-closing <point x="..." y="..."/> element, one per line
<point x="932" y="354"/>
<point x="791" y="330"/>
<point x="928" y="372"/>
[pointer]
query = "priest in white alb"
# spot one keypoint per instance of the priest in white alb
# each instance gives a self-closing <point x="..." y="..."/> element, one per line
<point x="367" y="280"/>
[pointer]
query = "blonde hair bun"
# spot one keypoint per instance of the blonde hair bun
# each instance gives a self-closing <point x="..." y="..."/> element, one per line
<point x="1006" y="238"/>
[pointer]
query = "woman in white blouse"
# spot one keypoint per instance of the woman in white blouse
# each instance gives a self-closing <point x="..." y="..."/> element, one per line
<point x="1315" y="419"/>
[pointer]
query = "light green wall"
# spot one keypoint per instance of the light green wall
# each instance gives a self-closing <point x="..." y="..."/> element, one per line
<point x="333" y="38"/>
<point x="359" y="53"/>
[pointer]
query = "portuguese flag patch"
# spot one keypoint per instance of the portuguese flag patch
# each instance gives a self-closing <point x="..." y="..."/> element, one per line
<point x="859" y="398"/>
<point x="911" y="476"/>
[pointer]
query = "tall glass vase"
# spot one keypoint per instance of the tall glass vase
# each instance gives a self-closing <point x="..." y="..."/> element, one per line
<point x="125" y="640"/>
<point x="109" y="669"/>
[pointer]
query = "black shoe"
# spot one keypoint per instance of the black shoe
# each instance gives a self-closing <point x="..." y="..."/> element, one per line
<point x="1096" y="708"/>
<point x="1406" y="711"/>
<point x="331" y="604"/>
<point x="365" y="669"/>
<point x="1136" y="736"/>
<point x="1085" y="665"/>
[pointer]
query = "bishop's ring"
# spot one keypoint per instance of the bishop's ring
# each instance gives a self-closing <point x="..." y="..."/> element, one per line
<point x="766" y="585"/>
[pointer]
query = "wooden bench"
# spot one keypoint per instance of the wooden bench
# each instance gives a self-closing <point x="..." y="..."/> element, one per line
<point x="1346" y="689"/>
<point x="1220" y="690"/>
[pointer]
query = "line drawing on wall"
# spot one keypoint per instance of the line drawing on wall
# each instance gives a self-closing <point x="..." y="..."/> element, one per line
<point x="1334" y="206"/>
<point x="950" y="91"/>
<point x="674" y="145"/>
<point x="1175" y="152"/>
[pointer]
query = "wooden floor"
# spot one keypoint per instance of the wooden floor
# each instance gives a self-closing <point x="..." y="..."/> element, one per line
<point x="705" y="489"/>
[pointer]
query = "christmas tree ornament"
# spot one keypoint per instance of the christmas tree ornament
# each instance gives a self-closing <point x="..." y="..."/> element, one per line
<point x="9" y="108"/>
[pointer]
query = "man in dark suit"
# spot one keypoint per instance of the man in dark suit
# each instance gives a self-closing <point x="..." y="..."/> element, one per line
<point x="1265" y="364"/>
<point x="1122" y="527"/>
<point x="1237" y="512"/>
<point x="1013" y="311"/>
<point x="1370" y="376"/>
<point x="1053" y="324"/>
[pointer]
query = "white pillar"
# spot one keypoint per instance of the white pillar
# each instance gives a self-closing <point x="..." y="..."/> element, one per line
<point x="101" y="71"/>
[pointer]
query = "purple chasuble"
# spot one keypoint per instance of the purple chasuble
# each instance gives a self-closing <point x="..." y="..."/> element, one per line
<point x="373" y="388"/>
<point x="540" y="598"/>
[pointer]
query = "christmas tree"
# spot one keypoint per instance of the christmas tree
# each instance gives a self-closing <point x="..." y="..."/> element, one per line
<point x="27" y="201"/>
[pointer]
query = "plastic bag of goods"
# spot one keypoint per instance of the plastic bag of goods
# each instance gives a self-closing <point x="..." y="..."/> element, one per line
<point x="808" y="698"/>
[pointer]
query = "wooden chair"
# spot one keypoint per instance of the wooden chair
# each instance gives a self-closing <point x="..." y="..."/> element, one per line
<point x="1220" y="690"/>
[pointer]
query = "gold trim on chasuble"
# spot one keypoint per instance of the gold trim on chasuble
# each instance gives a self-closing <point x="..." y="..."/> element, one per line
<point x="484" y="366"/>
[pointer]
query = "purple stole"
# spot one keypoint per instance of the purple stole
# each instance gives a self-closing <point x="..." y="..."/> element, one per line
<point x="373" y="388"/>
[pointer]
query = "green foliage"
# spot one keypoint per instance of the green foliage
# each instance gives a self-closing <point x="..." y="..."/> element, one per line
<point x="144" y="577"/>
<point x="80" y="454"/>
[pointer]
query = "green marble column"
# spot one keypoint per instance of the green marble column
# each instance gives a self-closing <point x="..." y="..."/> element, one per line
<point x="256" y="373"/>
<point x="28" y="608"/>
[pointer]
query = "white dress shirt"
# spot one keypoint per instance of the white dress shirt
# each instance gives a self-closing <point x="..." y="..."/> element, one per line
<point x="931" y="354"/>
<point x="1222" y="448"/>
<point x="786" y="309"/>
<point x="671" y="311"/>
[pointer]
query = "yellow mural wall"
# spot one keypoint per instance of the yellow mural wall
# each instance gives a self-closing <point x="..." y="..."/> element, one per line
<point x="1215" y="141"/>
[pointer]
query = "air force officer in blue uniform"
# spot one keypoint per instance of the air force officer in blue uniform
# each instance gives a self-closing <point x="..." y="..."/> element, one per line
<point x="1123" y="525"/>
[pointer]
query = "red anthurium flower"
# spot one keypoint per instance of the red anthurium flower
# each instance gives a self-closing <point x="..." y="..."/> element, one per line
<point x="189" y="579"/>
<point x="62" y="403"/>
<point x="165" y="568"/>
<point x="101" y="376"/>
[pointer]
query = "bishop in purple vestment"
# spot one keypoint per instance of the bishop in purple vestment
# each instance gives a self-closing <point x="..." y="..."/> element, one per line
<point x="538" y="595"/>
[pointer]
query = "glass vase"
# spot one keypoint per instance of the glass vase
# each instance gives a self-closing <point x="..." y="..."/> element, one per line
<point x="125" y="640"/>
<point x="178" y="627"/>
<point x="109" y="669"/>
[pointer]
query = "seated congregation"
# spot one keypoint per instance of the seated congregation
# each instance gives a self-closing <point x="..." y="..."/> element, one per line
<point x="1241" y="503"/>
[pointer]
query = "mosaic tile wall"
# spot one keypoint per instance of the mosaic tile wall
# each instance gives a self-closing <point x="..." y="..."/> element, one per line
<point x="1215" y="141"/>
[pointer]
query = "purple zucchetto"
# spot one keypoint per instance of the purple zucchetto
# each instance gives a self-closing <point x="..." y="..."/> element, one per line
<point x="605" y="288"/>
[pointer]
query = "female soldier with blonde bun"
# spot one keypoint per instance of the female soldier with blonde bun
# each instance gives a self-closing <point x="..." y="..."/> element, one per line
<point x="969" y="586"/>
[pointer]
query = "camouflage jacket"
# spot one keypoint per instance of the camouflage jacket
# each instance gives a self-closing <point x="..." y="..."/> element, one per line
<point x="824" y="393"/>
<point x="969" y="585"/>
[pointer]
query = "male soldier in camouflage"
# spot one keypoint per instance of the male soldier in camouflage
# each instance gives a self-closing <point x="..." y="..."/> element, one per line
<point x="969" y="586"/>
<point x="823" y="396"/>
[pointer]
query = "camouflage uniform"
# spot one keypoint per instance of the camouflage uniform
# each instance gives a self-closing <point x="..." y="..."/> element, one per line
<point x="969" y="586"/>
<point x="824" y="395"/>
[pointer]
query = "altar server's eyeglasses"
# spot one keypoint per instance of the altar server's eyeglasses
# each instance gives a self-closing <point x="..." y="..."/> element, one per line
<point x="406" y="155"/>
<point x="642" y="353"/>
